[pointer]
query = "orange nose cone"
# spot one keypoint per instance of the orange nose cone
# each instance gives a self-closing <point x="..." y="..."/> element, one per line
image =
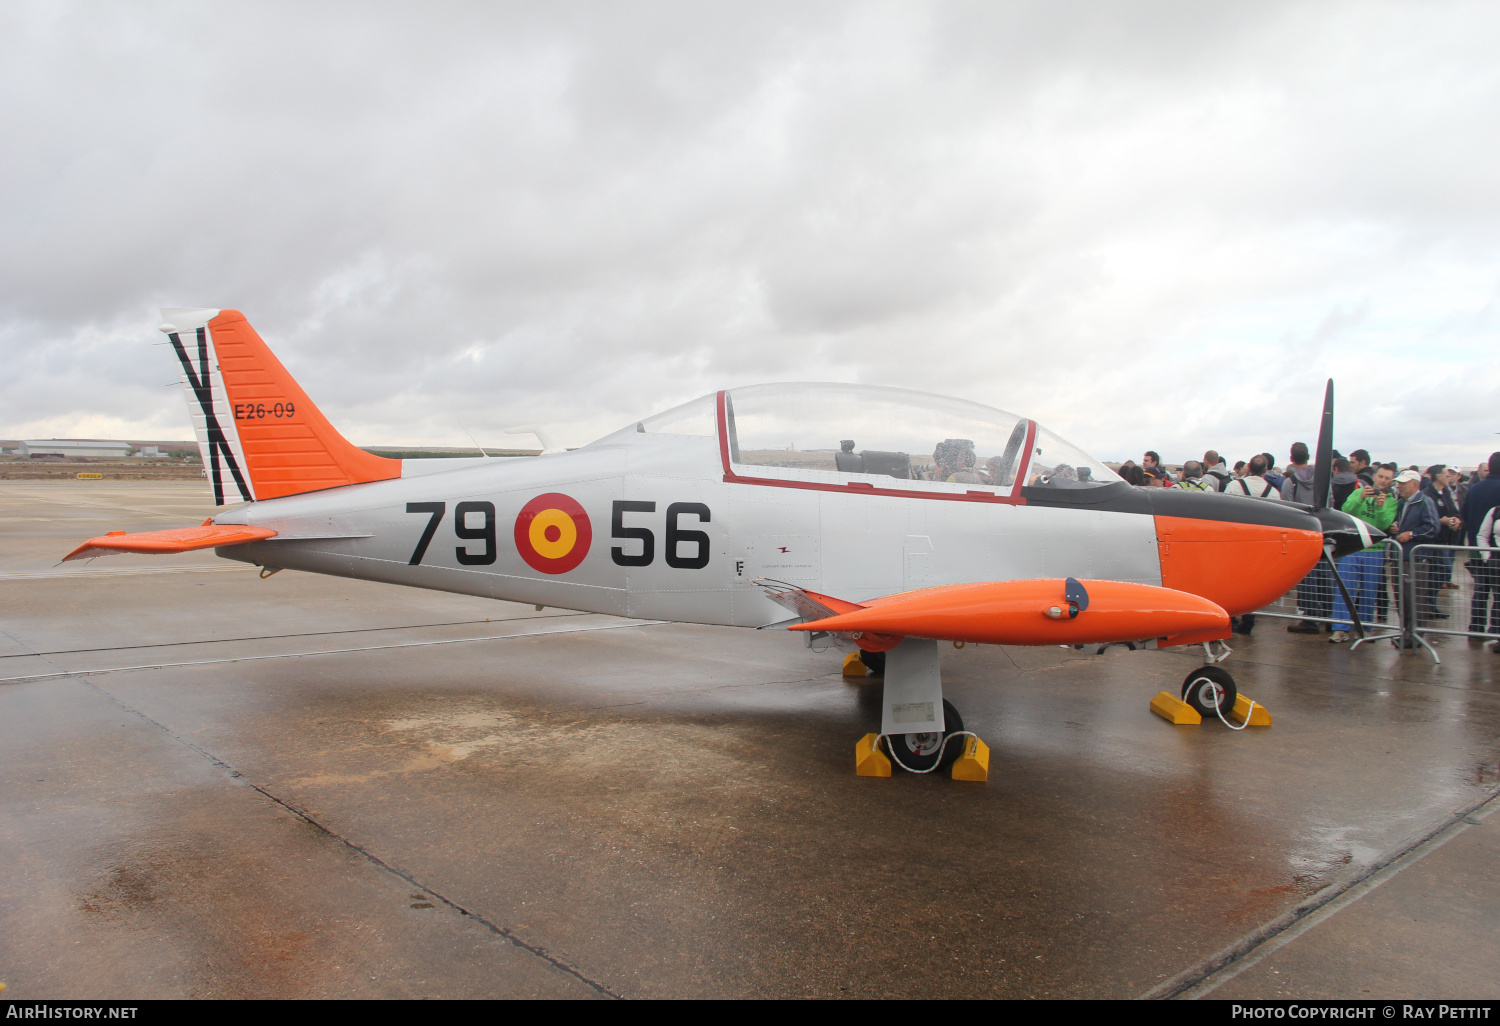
<point x="1032" y="612"/>
<point x="1241" y="567"/>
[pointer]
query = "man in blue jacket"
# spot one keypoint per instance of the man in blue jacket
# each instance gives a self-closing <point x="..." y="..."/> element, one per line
<point x="1439" y="488"/>
<point x="1483" y="496"/>
<point x="1416" y="524"/>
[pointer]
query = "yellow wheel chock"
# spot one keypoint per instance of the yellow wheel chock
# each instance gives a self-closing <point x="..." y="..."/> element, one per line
<point x="1259" y="717"/>
<point x="1174" y="710"/>
<point x="974" y="763"/>
<point x="869" y="760"/>
<point x="1177" y="712"/>
<point x="854" y="666"/>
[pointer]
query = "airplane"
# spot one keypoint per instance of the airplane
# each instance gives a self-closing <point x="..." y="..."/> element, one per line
<point x="884" y="520"/>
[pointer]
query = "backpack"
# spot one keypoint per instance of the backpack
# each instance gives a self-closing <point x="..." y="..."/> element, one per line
<point x="1246" y="488"/>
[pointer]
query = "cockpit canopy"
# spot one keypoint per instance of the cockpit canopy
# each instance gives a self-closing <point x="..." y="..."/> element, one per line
<point x="827" y="432"/>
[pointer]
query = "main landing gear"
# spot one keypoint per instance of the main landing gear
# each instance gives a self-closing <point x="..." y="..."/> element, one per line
<point x="913" y="698"/>
<point x="921" y="752"/>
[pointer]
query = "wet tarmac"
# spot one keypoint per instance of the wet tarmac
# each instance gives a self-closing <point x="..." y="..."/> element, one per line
<point x="213" y="785"/>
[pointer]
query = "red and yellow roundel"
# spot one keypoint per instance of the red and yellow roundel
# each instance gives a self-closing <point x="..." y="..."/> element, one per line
<point x="553" y="533"/>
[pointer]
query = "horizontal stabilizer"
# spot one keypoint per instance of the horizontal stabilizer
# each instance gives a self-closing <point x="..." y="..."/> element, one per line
<point x="1032" y="612"/>
<point x="178" y="539"/>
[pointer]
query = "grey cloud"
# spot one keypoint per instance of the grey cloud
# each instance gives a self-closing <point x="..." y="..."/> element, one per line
<point x="1108" y="216"/>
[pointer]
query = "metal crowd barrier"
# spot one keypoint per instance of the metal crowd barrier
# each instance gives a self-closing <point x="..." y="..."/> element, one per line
<point x="1473" y="609"/>
<point x="1401" y="596"/>
<point x="1316" y="597"/>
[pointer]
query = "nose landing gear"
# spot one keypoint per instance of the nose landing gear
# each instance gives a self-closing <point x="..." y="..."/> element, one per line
<point x="1210" y="693"/>
<point x="1210" y="690"/>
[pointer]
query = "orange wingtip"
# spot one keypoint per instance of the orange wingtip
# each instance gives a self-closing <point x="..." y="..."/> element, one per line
<point x="178" y="539"/>
<point x="1017" y="613"/>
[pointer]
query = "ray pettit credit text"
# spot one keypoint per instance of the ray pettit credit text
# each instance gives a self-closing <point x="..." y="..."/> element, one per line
<point x="1358" y="1010"/>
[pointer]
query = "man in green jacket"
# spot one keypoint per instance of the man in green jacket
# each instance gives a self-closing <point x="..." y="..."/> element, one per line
<point x="1363" y="573"/>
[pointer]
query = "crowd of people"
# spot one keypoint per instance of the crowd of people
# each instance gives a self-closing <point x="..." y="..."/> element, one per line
<point x="1413" y="507"/>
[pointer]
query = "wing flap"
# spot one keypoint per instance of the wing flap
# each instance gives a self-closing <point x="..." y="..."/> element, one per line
<point x="809" y="605"/>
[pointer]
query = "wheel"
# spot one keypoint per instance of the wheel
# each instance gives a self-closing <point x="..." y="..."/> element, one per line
<point x="921" y="751"/>
<point x="1200" y="687"/>
<point x="874" y="662"/>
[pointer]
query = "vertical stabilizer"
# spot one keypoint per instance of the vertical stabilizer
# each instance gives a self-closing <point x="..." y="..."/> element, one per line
<point x="259" y="434"/>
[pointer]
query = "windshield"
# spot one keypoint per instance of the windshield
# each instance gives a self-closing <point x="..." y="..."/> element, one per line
<point x="833" y="431"/>
<point x="1059" y="464"/>
<point x="846" y="434"/>
<point x="697" y="419"/>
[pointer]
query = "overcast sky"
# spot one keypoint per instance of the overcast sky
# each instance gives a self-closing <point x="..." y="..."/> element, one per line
<point x="1154" y="225"/>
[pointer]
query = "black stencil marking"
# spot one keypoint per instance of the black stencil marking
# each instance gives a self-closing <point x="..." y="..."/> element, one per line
<point x="202" y="387"/>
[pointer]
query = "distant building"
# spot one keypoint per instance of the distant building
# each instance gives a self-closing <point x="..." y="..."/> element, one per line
<point x="76" y="447"/>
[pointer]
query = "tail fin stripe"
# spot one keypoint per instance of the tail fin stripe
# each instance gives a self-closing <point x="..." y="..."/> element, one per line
<point x="215" y="431"/>
<point x="203" y="390"/>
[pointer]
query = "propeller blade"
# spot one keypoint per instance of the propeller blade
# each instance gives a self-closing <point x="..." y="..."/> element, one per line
<point x="1323" y="469"/>
<point x="1359" y="628"/>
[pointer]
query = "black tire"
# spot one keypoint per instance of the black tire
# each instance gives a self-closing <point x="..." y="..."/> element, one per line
<point x="911" y="758"/>
<point x="1196" y="691"/>
<point x="874" y="662"/>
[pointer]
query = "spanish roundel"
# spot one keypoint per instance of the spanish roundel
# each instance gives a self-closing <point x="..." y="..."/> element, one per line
<point x="553" y="533"/>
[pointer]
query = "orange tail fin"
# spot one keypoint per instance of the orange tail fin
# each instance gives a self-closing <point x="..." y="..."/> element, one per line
<point x="260" y="436"/>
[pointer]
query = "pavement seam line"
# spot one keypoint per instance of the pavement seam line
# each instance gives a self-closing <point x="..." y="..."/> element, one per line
<point x="332" y="651"/>
<point x="41" y="575"/>
<point x="114" y="505"/>
<point x="499" y="931"/>
<point x="279" y="637"/>
<point x="1352" y="896"/>
<point x="1251" y="942"/>
<point x="535" y="950"/>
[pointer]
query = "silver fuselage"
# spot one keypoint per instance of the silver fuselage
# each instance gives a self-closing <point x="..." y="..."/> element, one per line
<point x="855" y="546"/>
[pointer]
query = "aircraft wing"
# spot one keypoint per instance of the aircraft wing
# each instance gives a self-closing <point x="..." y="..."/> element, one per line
<point x="1031" y="612"/>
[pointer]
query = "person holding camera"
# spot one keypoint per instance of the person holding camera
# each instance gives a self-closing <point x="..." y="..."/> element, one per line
<point x="1363" y="572"/>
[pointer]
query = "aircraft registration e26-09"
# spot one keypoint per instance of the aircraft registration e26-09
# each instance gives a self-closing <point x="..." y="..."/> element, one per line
<point x="883" y="520"/>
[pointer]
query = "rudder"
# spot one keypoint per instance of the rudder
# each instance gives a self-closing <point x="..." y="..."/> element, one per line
<point x="259" y="434"/>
